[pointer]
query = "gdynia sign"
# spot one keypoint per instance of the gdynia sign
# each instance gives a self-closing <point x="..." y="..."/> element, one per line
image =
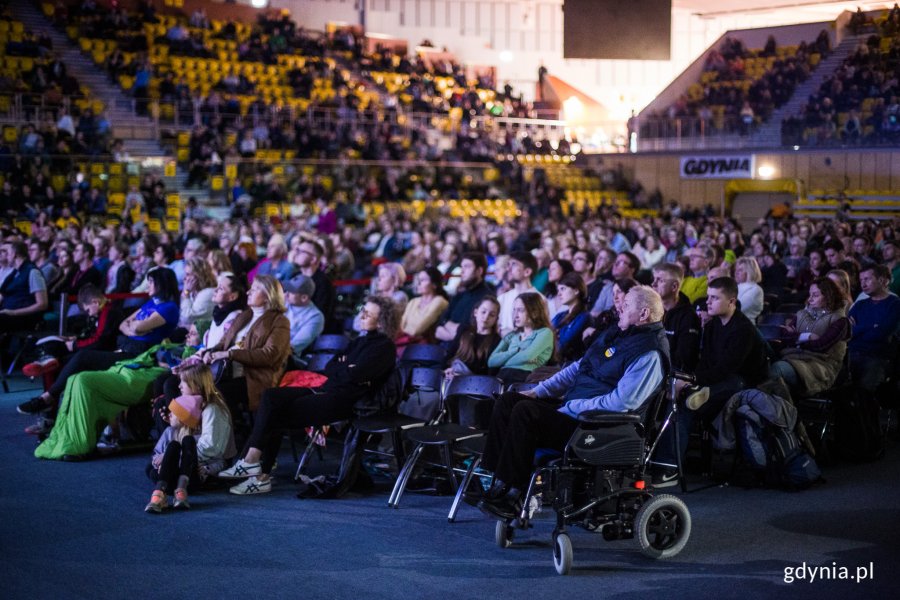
<point x="717" y="167"/>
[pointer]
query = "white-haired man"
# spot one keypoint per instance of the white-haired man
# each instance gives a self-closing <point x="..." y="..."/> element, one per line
<point x="619" y="372"/>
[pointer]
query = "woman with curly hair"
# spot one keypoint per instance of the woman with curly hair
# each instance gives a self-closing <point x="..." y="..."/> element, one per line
<point x="352" y="378"/>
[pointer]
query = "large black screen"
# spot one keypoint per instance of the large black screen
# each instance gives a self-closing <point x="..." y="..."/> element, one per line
<point x="618" y="29"/>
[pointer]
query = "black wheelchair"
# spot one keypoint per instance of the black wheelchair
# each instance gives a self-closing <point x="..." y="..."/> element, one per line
<point x="599" y="482"/>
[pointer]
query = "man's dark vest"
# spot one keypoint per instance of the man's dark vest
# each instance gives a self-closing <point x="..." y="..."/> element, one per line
<point x="15" y="290"/>
<point x="606" y="360"/>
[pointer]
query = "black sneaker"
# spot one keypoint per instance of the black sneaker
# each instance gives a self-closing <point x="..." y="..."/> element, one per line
<point x="664" y="479"/>
<point x="505" y="508"/>
<point x="35" y="406"/>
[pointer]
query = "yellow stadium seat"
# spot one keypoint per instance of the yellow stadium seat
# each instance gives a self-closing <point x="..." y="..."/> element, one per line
<point x="24" y="227"/>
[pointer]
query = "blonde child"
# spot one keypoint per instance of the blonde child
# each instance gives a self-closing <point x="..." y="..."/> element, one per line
<point x="197" y="442"/>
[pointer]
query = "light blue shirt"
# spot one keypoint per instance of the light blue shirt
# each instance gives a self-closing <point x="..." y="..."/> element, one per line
<point x="307" y="322"/>
<point x="641" y="379"/>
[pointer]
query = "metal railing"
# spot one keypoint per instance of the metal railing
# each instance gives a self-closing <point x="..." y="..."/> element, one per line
<point x="21" y="107"/>
<point x="685" y="133"/>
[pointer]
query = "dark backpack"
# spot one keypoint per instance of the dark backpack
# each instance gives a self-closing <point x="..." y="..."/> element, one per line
<point x="775" y="454"/>
<point x="327" y="487"/>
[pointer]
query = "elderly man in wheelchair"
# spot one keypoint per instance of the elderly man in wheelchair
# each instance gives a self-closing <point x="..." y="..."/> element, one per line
<point x="605" y="427"/>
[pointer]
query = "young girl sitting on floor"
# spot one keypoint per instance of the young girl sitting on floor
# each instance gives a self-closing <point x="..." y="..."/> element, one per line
<point x="197" y="442"/>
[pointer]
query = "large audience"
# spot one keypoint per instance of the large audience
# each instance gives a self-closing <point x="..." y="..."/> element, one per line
<point x="732" y="96"/>
<point x="294" y="71"/>
<point x="520" y="300"/>
<point x="212" y="325"/>
<point x="859" y="102"/>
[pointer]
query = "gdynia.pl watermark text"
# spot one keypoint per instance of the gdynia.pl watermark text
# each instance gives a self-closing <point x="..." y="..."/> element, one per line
<point x="810" y="574"/>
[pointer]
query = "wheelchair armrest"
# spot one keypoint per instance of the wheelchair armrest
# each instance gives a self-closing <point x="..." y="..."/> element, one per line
<point x="606" y="417"/>
<point x="688" y="377"/>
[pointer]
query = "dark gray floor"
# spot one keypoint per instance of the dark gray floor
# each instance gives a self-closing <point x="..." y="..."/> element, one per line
<point x="77" y="530"/>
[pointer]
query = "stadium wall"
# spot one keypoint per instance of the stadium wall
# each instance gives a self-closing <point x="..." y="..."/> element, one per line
<point x="834" y="169"/>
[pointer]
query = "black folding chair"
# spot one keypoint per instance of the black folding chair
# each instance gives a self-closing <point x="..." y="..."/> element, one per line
<point x="468" y="402"/>
<point x="330" y="343"/>
<point x="18" y="342"/>
<point x="475" y="448"/>
<point x="777" y="319"/>
<point x="423" y="355"/>
<point x="318" y="362"/>
<point x="411" y="413"/>
<point x="790" y="308"/>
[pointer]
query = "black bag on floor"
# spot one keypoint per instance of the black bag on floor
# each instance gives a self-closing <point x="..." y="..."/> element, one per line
<point x="857" y="427"/>
<point x="336" y="486"/>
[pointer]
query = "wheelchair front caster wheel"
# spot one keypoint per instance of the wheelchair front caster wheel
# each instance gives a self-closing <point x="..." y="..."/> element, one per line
<point x="663" y="526"/>
<point x="503" y="534"/>
<point x="562" y="553"/>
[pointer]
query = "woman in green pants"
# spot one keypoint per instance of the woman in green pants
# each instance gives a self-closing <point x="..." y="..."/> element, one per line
<point x="94" y="398"/>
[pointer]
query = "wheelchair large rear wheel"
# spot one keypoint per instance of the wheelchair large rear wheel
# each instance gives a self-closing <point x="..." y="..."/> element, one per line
<point x="562" y="553"/>
<point x="503" y="534"/>
<point x="663" y="526"/>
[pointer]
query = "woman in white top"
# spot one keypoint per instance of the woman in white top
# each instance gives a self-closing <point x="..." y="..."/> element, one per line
<point x="197" y="295"/>
<point x="390" y="278"/>
<point x="649" y="251"/>
<point x="750" y="294"/>
<point x="257" y="343"/>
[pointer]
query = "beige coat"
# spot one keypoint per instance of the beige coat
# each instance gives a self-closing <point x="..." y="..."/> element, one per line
<point x="817" y="371"/>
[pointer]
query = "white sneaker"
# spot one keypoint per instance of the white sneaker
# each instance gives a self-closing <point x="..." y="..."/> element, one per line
<point x="698" y="398"/>
<point x="240" y="470"/>
<point x="252" y="486"/>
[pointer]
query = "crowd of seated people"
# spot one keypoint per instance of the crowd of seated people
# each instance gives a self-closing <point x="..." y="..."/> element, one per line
<point x="733" y="98"/>
<point x="537" y="298"/>
<point x="348" y="77"/>
<point x="209" y="148"/>
<point x="257" y="294"/>
<point x="244" y="112"/>
<point x="56" y="186"/>
<point x="35" y="81"/>
<point x="860" y="102"/>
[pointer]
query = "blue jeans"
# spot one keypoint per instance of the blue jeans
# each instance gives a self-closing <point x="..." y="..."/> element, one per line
<point x="783" y="369"/>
